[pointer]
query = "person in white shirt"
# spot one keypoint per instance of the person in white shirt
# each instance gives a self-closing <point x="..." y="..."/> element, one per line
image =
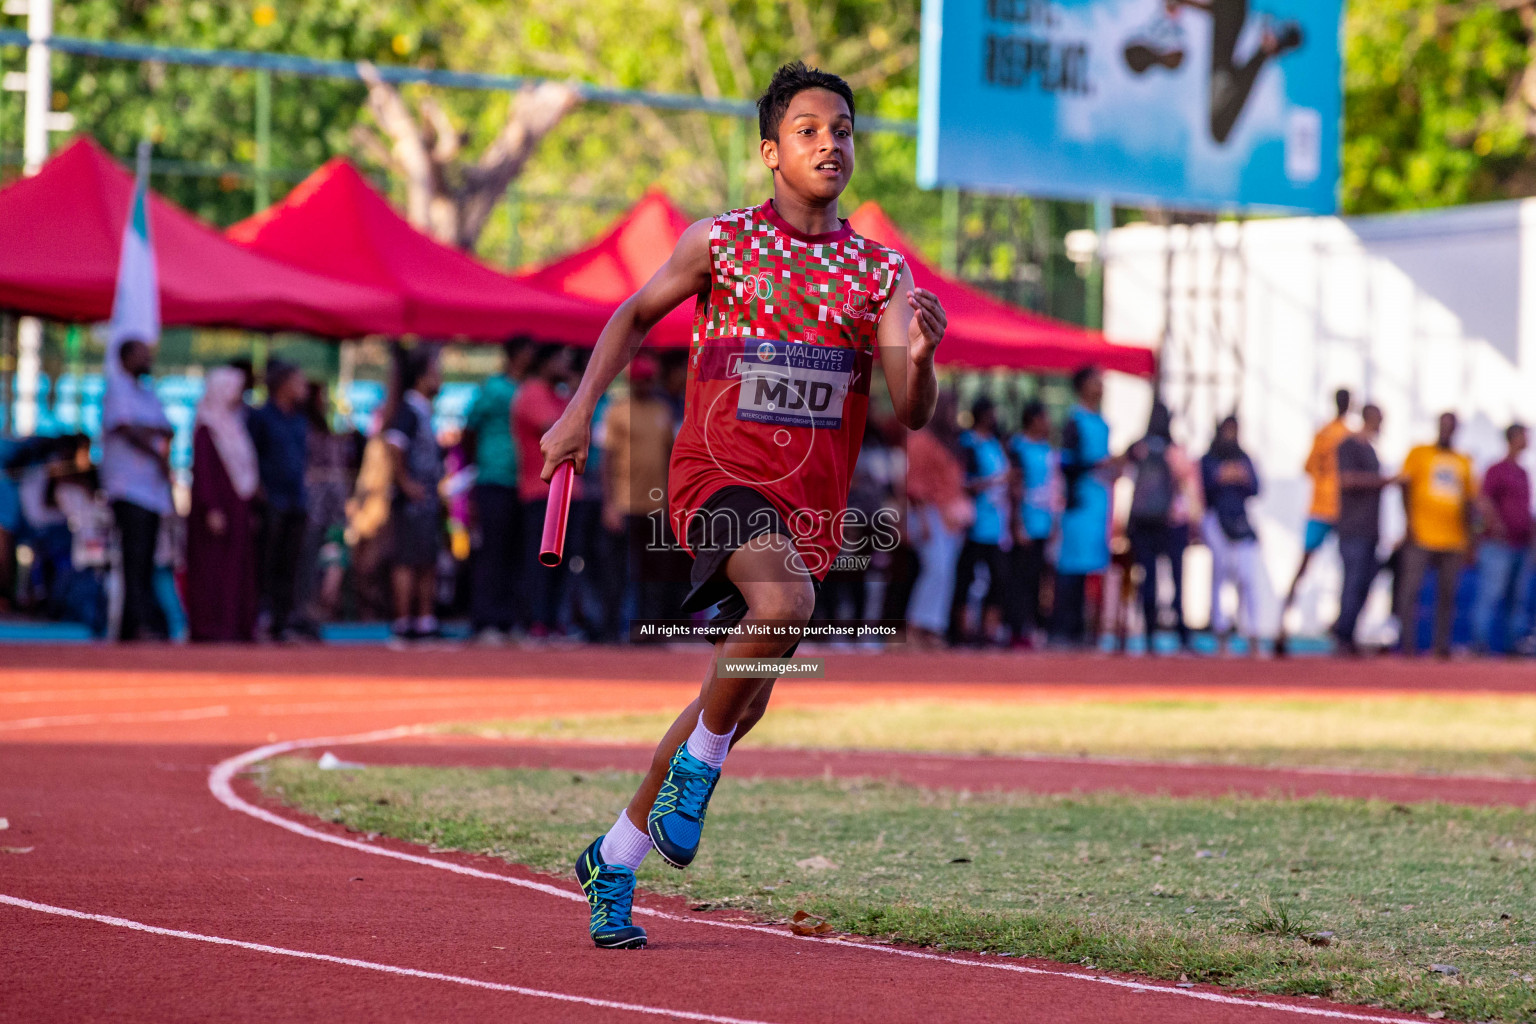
<point x="136" y="476"/>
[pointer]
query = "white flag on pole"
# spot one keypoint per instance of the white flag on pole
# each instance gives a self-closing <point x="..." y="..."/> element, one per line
<point x="136" y="305"/>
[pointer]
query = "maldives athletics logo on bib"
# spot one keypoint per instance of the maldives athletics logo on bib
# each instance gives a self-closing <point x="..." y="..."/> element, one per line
<point x="856" y="305"/>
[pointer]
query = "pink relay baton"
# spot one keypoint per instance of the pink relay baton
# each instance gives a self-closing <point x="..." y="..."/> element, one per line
<point x="557" y="514"/>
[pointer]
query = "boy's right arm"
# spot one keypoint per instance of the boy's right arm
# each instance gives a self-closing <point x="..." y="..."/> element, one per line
<point x="686" y="273"/>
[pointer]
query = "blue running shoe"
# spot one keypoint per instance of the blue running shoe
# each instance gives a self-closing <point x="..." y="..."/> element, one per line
<point x="677" y="817"/>
<point x="610" y="890"/>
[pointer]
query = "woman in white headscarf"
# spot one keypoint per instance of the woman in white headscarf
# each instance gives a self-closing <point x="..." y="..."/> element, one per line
<point x="221" y="531"/>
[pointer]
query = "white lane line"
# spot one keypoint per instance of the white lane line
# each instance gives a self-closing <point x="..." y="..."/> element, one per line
<point x="179" y="715"/>
<point x="219" y="783"/>
<point x="369" y="965"/>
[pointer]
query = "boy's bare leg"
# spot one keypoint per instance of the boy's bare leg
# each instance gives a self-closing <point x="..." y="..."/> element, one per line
<point x="777" y="589"/>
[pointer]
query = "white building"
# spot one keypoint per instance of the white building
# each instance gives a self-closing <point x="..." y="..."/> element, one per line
<point x="1419" y="313"/>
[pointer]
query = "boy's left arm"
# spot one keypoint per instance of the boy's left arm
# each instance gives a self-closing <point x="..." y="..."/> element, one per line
<point x="909" y="335"/>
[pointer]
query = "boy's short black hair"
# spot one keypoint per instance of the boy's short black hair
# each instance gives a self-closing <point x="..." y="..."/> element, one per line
<point x="1082" y="376"/>
<point x="278" y="372"/>
<point x="514" y="346"/>
<point x="543" y="354"/>
<point x="413" y="363"/>
<point x="1033" y="410"/>
<point x="788" y="82"/>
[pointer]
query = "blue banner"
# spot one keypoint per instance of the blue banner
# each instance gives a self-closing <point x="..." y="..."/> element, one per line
<point x="1186" y="103"/>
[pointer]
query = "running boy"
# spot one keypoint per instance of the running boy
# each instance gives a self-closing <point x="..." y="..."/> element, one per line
<point x="791" y="307"/>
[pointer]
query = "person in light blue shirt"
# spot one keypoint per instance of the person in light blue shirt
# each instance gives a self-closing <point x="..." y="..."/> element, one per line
<point x="1088" y="471"/>
<point x="990" y="535"/>
<point x="1037" y="491"/>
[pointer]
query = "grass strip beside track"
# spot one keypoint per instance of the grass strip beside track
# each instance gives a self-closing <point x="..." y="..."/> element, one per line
<point x="1485" y="735"/>
<point x="1224" y="891"/>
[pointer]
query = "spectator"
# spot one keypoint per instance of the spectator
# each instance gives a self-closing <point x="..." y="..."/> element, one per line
<point x="280" y="433"/>
<point x="367" y="533"/>
<point x="1038" y="469"/>
<point x="674" y="384"/>
<point x="1088" y="472"/>
<point x="540" y="401"/>
<point x="221" y="530"/>
<point x="416" y="511"/>
<point x="1166" y="499"/>
<point x="1230" y="479"/>
<point x="986" y="478"/>
<point x="941" y="513"/>
<point x="247" y="369"/>
<point x="1323" y="468"/>
<point x="1359" y="523"/>
<point x="894" y="556"/>
<point x="328" y="478"/>
<point x="58" y="517"/>
<point x="1503" y="557"/>
<point x="10" y="521"/>
<point x="845" y="591"/>
<point x="1438" y="495"/>
<point x="136" y="475"/>
<point x="497" y="514"/>
<point x="580" y="612"/>
<point x="638" y="429"/>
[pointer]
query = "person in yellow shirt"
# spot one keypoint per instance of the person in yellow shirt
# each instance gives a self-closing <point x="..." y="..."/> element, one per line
<point x="1323" y="467"/>
<point x="1439" y="494"/>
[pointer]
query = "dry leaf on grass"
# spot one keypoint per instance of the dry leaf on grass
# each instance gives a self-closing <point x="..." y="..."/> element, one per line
<point x="816" y="863"/>
<point x="808" y="924"/>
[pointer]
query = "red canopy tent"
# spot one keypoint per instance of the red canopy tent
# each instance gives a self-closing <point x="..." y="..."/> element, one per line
<point x="985" y="332"/>
<point x="61" y="235"/>
<point x="613" y="267"/>
<point x="334" y="223"/>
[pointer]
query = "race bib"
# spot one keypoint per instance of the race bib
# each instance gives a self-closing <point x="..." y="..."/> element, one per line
<point x="794" y="385"/>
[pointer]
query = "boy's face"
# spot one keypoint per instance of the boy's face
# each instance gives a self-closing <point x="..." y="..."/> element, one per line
<point x="813" y="154"/>
<point x="136" y="357"/>
<point x="295" y="389"/>
<point x="431" y="381"/>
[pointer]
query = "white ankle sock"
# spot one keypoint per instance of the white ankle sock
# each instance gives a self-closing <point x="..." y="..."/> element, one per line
<point x="625" y="844"/>
<point x="709" y="747"/>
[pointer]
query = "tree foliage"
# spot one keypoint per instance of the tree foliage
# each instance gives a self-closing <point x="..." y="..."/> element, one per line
<point x="206" y="116"/>
<point x="1440" y="107"/>
<point x="1440" y="103"/>
<point x="598" y="158"/>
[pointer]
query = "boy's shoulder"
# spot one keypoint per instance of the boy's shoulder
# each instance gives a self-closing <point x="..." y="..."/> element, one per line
<point x="759" y="220"/>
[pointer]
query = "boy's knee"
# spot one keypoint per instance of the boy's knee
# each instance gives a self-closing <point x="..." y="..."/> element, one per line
<point x="789" y="603"/>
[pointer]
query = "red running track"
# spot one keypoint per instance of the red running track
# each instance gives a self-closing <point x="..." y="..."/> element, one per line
<point x="136" y="835"/>
<point x="125" y="827"/>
